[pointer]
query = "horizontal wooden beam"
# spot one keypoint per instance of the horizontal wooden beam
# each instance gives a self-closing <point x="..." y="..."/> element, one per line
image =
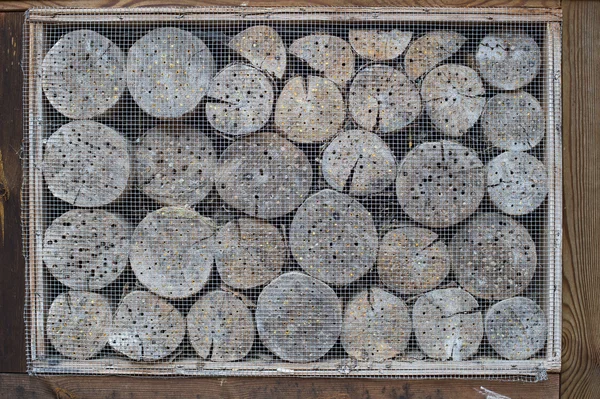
<point x="12" y="5"/>
<point x="24" y="386"/>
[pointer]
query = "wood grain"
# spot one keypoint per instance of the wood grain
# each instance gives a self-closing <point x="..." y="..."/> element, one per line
<point x="70" y="387"/>
<point x="12" y="264"/>
<point x="581" y="230"/>
<point x="11" y="5"/>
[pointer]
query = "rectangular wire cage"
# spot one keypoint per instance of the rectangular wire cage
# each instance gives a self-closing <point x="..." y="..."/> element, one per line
<point x="293" y="191"/>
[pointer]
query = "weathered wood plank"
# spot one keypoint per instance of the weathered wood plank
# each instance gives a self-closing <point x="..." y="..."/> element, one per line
<point x="581" y="230"/>
<point x="12" y="270"/>
<point x="23" y="386"/>
<point x="12" y="5"/>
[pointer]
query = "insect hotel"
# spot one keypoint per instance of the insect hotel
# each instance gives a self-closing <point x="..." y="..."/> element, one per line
<point x="293" y="191"/>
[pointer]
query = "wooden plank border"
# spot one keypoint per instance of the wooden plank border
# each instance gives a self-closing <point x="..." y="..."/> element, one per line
<point x="396" y="14"/>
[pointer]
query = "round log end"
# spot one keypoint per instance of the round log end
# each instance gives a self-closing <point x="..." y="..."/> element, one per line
<point x="263" y="175"/>
<point x="513" y="121"/>
<point x="333" y="238"/>
<point x="377" y="326"/>
<point x="82" y="74"/>
<point x="516" y="328"/>
<point x="78" y="324"/>
<point x="86" y="164"/>
<point x="440" y="184"/>
<point x="383" y="100"/>
<point x="379" y="45"/>
<point x="453" y="97"/>
<point x="263" y="47"/>
<point x="508" y="61"/>
<point x="220" y="327"/>
<point x="299" y="318"/>
<point x="249" y="253"/>
<point x="240" y="100"/>
<point x="318" y="51"/>
<point x="146" y="327"/>
<point x="172" y="251"/>
<point x="168" y="72"/>
<point x="310" y="110"/>
<point x="412" y="260"/>
<point x="448" y="324"/>
<point x="87" y="249"/>
<point x="359" y="163"/>
<point x="517" y="182"/>
<point x="175" y="166"/>
<point x="430" y="50"/>
<point x="494" y="256"/>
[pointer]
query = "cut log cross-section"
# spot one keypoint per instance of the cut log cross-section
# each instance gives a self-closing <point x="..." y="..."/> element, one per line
<point x="299" y="318"/>
<point x="175" y="165"/>
<point x="448" y="324"/>
<point x="453" y="97"/>
<point x="221" y="327"/>
<point x="263" y="47"/>
<point x="249" y="253"/>
<point x="146" y="327"/>
<point x="493" y="257"/>
<point x="86" y="164"/>
<point x="87" y="249"/>
<point x="513" y="121"/>
<point x="379" y="45"/>
<point x="82" y="74"/>
<point x="359" y="163"/>
<point x="240" y="100"/>
<point x="376" y="327"/>
<point x="430" y="50"/>
<point x="440" y="184"/>
<point x="333" y="238"/>
<point x="383" y="100"/>
<point x="310" y="110"/>
<point x="172" y="251"/>
<point x="412" y="260"/>
<point x="79" y="323"/>
<point x="263" y="175"/>
<point x="327" y="54"/>
<point x="508" y="61"/>
<point x="168" y="72"/>
<point x="516" y="328"/>
<point x="517" y="182"/>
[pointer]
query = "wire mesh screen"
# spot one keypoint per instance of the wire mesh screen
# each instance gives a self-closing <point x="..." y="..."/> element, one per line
<point x="236" y="191"/>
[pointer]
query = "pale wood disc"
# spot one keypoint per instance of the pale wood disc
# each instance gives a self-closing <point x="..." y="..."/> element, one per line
<point x="448" y="324"/>
<point x="78" y="324"/>
<point x="249" y="253"/>
<point x="263" y="47"/>
<point x="379" y="45"/>
<point x="327" y="54"/>
<point x="221" y="327"/>
<point x="298" y="318"/>
<point x="169" y="71"/>
<point x="146" y="327"/>
<point x="494" y="256"/>
<point x="377" y="326"/>
<point x="86" y="164"/>
<point x="333" y="238"/>
<point x="172" y="251"/>
<point x="440" y="183"/>
<point x="82" y="74"/>
<point x="309" y="109"/>
<point x="383" y="100"/>
<point x="263" y="175"/>
<point x="87" y="249"/>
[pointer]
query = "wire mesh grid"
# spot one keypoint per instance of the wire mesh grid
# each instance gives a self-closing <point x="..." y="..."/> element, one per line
<point x="341" y="192"/>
